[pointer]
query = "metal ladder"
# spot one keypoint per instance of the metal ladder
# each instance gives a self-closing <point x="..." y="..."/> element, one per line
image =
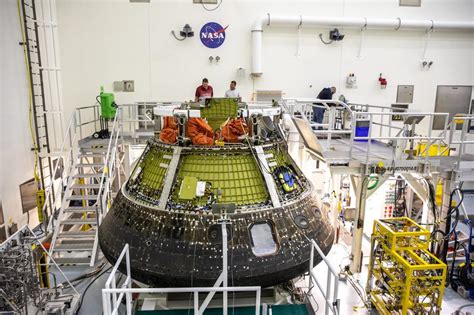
<point x="35" y="78"/>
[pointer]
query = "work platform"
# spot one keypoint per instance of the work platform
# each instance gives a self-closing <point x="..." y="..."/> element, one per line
<point x="358" y="135"/>
<point x="337" y="151"/>
<point x="337" y="143"/>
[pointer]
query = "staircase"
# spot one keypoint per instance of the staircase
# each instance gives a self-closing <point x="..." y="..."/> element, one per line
<point x="86" y="197"/>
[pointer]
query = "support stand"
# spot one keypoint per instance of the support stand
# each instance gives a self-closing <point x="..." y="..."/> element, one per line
<point x="358" y="231"/>
<point x="103" y="133"/>
<point x="223" y="278"/>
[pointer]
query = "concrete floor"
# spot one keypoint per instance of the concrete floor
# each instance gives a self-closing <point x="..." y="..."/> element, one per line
<point x="92" y="300"/>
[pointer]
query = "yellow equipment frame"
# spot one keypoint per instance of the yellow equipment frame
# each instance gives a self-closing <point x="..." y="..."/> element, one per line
<point x="403" y="275"/>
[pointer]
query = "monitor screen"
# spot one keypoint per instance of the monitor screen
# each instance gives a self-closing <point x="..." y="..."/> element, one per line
<point x="28" y="192"/>
<point x="309" y="138"/>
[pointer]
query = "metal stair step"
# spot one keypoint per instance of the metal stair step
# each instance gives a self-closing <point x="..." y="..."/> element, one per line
<point x="82" y="197"/>
<point x="76" y="241"/>
<point x="73" y="247"/>
<point x="88" y="175"/>
<point x="79" y="209"/>
<point x="85" y="186"/>
<point x="72" y="260"/>
<point x="92" y="155"/>
<point x="79" y="165"/>
<point x="79" y="221"/>
<point x="93" y="150"/>
<point x="77" y="234"/>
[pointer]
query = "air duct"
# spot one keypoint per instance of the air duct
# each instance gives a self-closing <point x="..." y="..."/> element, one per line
<point x="396" y="24"/>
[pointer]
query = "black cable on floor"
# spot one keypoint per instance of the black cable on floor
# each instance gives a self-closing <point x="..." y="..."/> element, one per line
<point x="88" y="286"/>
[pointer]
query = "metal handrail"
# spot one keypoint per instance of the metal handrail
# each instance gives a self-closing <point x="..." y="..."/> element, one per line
<point x="397" y="137"/>
<point x="462" y="142"/>
<point x="131" y="118"/>
<point x="336" y="105"/>
<point x="109" y="161"/>
<point x="108" y="175"/>
<point x="330" y="296"/>
<point x="364" y="108"/>
<point x="70" y="144"/>
<point x="464" y="131"/>
<point x="379" y="128"/>
<point x="86" y="107"/>
<point x="383" y="108"/>
<point x="112" y="296"/>
<point x="52" y="194"/>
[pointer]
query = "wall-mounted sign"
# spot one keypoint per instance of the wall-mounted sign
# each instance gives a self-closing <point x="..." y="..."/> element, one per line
<point x="398" y="108"/>
<point x="212" y="34"/>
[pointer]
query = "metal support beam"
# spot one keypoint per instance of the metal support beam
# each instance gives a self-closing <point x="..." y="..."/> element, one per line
<point x="416" y="186"/>
<point x="268" y="177"/>
<point x="224" y="265"/>
<point x="211" y="294"/>
<point x="358" y="230"/>
<point x="169" y="178"/>
<point x="223" y="277"/>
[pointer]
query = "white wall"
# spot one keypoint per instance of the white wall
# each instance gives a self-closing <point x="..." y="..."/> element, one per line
<point x="16" y="157"/>
<point x="106" y="40"/>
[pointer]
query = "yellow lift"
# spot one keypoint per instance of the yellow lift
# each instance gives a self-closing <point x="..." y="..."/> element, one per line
<point x="404" y="277"/>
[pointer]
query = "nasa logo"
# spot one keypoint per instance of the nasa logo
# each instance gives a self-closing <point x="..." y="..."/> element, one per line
<point x="212" y="34"/>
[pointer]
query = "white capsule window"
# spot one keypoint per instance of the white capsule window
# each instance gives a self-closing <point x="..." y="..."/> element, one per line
<point x="263" y="239"/>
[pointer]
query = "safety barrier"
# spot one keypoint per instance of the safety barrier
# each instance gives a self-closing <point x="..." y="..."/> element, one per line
<point x="384" y="125"/>
<point x="112" y="296"/>
<point x="331" y="292"/>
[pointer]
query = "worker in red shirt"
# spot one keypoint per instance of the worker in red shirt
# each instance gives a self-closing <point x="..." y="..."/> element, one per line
<point x="204" y="91"/>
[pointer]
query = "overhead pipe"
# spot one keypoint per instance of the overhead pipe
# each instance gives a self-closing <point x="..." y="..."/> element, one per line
<point x="395" y="24"/>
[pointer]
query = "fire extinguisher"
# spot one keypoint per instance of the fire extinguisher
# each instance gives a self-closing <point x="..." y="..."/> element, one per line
<point x="383" y="82"/>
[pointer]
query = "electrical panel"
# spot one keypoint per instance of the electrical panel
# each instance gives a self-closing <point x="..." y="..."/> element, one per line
<point x="410" y="3"/>
<point x="124" y="86"/>
<point x="118" y="86"/>
<point x="351" y="81"/>
<point x="405" y="94"/>
<point x="128" y="86"/>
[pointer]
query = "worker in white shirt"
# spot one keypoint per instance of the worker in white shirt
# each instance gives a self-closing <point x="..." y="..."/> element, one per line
<point x="233" y="92"/>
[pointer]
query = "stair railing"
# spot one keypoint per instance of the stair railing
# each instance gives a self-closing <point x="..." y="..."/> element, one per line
<point x="57" y="192"/>
<point x="109" y="169"/>
<point x="67" y="153"/>
<point x="104" y="195"/>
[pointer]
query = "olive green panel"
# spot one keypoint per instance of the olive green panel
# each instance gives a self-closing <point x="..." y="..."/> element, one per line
<point x="238" y="176"/>
<point x="219" y="110"/>
<point x="152" y="171"/>
<point x="187" y="190"/>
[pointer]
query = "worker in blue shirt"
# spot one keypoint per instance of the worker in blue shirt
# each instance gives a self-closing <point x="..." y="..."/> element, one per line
<point x="325" y="94"/>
